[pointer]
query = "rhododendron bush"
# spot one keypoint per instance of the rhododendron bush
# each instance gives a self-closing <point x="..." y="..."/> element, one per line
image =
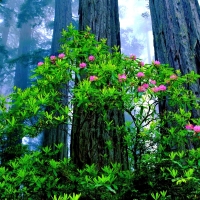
<point x="162" y="146"/>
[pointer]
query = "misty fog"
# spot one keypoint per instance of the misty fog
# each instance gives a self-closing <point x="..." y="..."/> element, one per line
<point x="26" y="39"/>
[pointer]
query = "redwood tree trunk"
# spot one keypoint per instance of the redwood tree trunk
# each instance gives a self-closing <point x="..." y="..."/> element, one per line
<point x="103" y="19"/>
<point x="3" y="42"/>
<point x="21" y="71"/>
<point x="13" y="148"/>
<point x="89" y="134"/>
<point x="63" y="17"/>
<point x="176" y="31"/>
<point x="7" y="20"/>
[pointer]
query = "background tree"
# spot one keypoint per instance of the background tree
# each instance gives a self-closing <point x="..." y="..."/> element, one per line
<point x="89" y="134"/>
<point x="176" y="34"/>
<point x="30" y="16"/>
<point x="63" y="17"/>
<point x="22" y="69"/>
<point x="25" y="46"/>
<point x="7" y="15"/>
<point x="14" y="15"/>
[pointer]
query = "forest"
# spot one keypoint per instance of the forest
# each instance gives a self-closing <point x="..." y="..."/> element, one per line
<point x="83" y="116"/>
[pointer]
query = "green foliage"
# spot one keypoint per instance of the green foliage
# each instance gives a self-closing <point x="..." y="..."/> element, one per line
<point x="35" y="176"/>
<point x="65" y="197"/>
<point x="109" y="182"/>
<point x="163" y="163"/>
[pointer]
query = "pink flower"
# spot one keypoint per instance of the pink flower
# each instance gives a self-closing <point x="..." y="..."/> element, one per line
<point x="122" y="77"/>
<point x="196" y="129"/>
<point x="145" y="85"/>
<point x="52" y="58"/>
<point x="133" y="57"/>
<point x="155" y="89"/>
<point x="61" y="55"/>
<point x="153" y="82"/>
<point x="141" y="89"/>
<point x="40" y="63"/>
<point x="162" y="88"/>
<point x="189" y="126"/>
<point x="82" y="65"/>
<point x="140" y="74"/>
<point x="91" y="58"/>
<point x="159" y="88"/>
<point x="156" y="63"/>
<point x="93" y="78"/>
<point x="173" y="77"/>
<point x="141" y="64"/>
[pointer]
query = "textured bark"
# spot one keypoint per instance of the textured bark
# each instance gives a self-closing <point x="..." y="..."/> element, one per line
<point x="103" y="19"/>
<point x="176" y="31"/>
<point x="89" y="134"/>
<point x="63" y="17"/>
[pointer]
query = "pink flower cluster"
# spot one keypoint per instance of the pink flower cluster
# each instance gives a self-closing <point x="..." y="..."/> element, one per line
<point x="192" y="127"/>
<point x="93" y="78"/>
<point x="196" y="128"/>
<point x="133" y="57"/>
<point x="61" y="55"/>
<point x="173" y="77"/>
<point x="156" y="63"/>
<point x="52" y="58"/>
<point x="141" y="63"/>
<point x="82" y="65"/>
<point x="189" y="126"/>
<point x="159" y="88"/>
<point x="153" y="82"/>
<point x="143" y="87"/>
<point x="140" y="74"/>
<point x="40" y="63"/>
<point x="121" y="77"/>
<point x="91" y="58"/>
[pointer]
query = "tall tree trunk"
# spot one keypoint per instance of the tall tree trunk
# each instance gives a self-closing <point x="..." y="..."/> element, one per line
<point x="13" y="146"/>
<point x="63" y="17"/>
<point x="103" y="19"/>
<point x="176" y="31"/>
<point x="3" y="42"/>
<point x="21" y="71"/>
<point x="89" y="134"/>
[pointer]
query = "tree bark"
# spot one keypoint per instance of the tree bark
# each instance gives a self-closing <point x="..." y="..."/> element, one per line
<point x="176" y="31"/>
<point x="89" y="134"/>
<point x="59" y="134"/>
<point x="103" y="19"/>
<point x="63" y="17"/>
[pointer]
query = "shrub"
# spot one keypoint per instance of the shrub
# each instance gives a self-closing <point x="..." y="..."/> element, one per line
<point x="163" y="162"/>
